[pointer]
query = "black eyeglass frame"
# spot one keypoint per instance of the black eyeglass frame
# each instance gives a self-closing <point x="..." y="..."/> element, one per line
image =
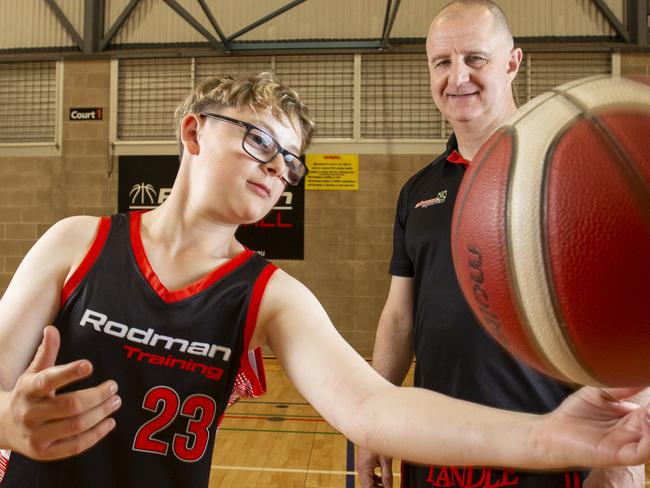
<point x="278" y="148"/>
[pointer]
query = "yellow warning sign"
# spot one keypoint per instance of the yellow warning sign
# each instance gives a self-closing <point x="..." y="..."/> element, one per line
<point x="332" y="172"/>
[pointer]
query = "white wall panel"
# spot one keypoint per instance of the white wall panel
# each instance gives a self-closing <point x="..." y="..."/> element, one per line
<point x="528" y="18"/>
<point x="32" y="24"/>
<point x="154" y="21"/>
<point x="313" y="19"/>
<point x="74" y="11"/>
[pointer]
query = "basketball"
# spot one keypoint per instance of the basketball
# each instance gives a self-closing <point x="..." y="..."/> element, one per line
<point x="551" y="233"/>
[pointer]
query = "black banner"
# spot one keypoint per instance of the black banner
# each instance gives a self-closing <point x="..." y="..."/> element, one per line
<point x="146" y="181"/>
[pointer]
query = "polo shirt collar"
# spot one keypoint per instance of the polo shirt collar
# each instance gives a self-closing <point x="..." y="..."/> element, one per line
<point x="453" y="156"/>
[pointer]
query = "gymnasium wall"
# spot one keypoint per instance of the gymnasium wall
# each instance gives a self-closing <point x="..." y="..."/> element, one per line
<point x="36" y="191"/>
<point x="636" y="64"/>
<point x="347" y="234"/>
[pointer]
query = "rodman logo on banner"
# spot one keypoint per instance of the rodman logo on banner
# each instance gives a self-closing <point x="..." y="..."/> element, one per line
<point x="146" y="181"/>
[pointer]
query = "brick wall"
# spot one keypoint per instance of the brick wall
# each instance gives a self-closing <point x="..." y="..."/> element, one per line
<point x="25" y="208"/>
<point x="37" y="191"/>
<point x="348" y="244"/>
<point x="635" y="63"/>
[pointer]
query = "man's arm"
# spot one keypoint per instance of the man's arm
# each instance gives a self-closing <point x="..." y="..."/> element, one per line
<point x="393" y="351"/>
<point x="34" y="420"/>
<point x="426" y="427"/>
<point x="391" y="358"/>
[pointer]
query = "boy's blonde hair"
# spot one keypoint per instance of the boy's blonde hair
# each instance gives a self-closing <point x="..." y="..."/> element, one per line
<point x="257" y="91"/>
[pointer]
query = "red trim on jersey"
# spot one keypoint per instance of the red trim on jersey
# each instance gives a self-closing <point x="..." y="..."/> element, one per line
<point x="88" y="261"/>
<point x="176" y="295"/>
<point x="4" y="462"/>
<point x="572" y="480"/>
<point x="455" y="157"/>
<point x="252" y="365"/>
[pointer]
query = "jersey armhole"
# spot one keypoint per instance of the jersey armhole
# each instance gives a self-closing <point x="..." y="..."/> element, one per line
<point x="91" y="256"/>
<point x="250" y="381"/>
<point x="4" y="462"/>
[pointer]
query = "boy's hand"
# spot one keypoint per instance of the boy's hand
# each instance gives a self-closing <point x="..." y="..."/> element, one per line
<point x="40" y="424"/>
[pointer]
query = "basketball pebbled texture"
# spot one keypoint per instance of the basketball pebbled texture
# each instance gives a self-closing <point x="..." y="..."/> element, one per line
<point x="551" y="233"/>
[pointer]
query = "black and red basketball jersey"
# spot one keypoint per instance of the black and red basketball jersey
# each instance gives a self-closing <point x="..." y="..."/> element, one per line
<point x="179" y="358"/>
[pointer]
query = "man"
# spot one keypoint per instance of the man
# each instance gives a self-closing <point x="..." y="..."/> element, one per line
<point x="472" y="64"/>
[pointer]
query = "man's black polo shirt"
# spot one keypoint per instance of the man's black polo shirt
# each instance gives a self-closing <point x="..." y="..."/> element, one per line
<point x="454" y="355"/>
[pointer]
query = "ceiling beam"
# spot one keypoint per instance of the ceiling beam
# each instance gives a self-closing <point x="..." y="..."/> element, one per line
<point x="612" y="19"/>
<point x="389" y="27"/>
<point x="93" y="24"/>
<point x="213" y="21"/>
<point x="637" y="21"/>
<point x="117" y="25"/>
<point x="185" y="15"/>
<point x="67" y="25"/>
<point x="265" y="19"/>
<point x="386" y="17"/>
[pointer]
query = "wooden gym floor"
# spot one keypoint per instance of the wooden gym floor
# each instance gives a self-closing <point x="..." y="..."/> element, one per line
<point x="280" y="441"/>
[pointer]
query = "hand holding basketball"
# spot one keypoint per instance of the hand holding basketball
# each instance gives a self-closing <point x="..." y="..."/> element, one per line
<point x="596" y="427"/>
<point x="50" y="426"/>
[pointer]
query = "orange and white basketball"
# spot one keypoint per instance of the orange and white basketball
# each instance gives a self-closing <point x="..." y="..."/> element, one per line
<point x="551" y="232"/>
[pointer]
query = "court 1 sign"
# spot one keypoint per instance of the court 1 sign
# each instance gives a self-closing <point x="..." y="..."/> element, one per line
<point x="146" y="181"/>
<point x="86" y="113"/>
<point x="332" y="172"/>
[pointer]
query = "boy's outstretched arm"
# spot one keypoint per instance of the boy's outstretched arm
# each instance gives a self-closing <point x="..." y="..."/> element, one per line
<point x="589" y="429"/>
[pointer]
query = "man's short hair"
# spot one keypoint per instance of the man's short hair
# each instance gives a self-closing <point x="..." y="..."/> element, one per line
<point x="260" y="91"/>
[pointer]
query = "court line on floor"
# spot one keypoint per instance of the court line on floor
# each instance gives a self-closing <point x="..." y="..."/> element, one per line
<point x="259" y="402"/>
<point x="279" y="431"/>
<point x="288" y="470"/>
<point x="272" y="414"/>
<point x="275" y="418"/>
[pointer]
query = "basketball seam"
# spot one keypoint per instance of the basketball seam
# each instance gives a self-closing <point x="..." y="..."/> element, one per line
<point x="629" y="171"/>
<point x="514" y="288"/>
<point x="458" y="211"/>
<point x="546" y="250"/>
<point x="521" y="309"/>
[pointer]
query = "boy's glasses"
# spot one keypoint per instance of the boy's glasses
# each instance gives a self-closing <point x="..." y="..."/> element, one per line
<point x="261" y="146"/>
